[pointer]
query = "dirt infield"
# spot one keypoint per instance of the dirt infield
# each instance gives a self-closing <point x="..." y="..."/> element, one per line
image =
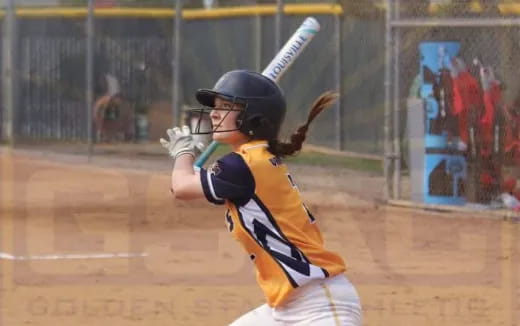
<point x="104" y="244"/>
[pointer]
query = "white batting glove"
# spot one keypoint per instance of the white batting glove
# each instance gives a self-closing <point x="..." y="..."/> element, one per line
<point x="180" y="142"/>
<point x="204" y="139"/>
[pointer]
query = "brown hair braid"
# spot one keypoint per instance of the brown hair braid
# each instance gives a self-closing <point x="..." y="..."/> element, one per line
<point x="279" y="149"/>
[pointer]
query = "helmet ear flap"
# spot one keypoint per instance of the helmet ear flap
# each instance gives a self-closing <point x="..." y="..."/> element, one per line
<point x="258" y="127"/>
<point x="248" y="124"/>
<point x="256" y="121"/>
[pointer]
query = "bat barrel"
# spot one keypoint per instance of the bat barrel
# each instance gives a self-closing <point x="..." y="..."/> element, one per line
<point x="292" y="49"/>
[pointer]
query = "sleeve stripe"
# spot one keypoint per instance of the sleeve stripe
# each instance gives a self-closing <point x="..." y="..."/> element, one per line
<point x="210" y="184"/>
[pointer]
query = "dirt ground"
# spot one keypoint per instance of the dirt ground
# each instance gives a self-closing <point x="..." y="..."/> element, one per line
<point x="103" y="243"/>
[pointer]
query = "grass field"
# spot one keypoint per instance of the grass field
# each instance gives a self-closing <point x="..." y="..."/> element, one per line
<point x="315" y="156"/>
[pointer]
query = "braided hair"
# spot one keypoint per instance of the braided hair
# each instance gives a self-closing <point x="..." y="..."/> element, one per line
<point x="280" y="149"/>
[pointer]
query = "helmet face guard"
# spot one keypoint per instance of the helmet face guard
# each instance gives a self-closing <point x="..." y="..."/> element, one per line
<point x="204" y="126"/>
<point x="260" y="100"/>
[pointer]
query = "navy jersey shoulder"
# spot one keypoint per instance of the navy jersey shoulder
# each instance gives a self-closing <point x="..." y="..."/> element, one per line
<point x="229" y="178"/>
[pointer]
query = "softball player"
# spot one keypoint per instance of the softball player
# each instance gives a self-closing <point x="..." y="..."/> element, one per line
<point x="303" y="282"/>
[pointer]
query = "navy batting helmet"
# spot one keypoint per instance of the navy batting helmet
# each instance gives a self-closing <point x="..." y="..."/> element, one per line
<point x="262" y="100"/>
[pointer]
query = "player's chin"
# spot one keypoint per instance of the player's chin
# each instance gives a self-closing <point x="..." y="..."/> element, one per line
<point x="219" y="136"/>
<point x="223" y="137"/>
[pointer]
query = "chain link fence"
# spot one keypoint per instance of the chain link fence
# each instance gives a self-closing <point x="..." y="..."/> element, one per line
<point x="126" y="70"/>
<point x="452" y="102"/>
<point x="134" y="58"/>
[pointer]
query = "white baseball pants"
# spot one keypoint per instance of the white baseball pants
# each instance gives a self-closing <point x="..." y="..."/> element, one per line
<point x="328" y="302"/>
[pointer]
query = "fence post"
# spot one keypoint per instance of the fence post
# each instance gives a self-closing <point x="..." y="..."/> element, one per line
<point x="388" y="155"/>
<point x="176" y="101"/>
<point x="8" y="73"/>
<point x="89" y="67"/>
<point x="397" y="108"/>
<point x="338" y="84"/>
<point x="258" y="42"/>
<point x="278" y="26"/>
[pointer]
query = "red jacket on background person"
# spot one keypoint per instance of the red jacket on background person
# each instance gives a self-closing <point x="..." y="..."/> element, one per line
<point x="467" y="96"/>
<point x="492" y="100"/>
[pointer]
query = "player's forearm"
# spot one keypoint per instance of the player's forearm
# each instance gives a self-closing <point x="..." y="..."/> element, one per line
<point x="185" y="182"/>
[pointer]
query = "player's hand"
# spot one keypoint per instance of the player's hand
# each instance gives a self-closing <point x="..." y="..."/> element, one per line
<point x="201" y="141"/>
<point x="181" y="142"/>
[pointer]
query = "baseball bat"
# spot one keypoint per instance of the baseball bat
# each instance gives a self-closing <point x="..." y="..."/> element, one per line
<point x="277" y="67"/>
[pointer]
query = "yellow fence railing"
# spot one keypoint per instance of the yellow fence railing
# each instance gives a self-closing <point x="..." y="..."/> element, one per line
<point x="122" y="12"/>
<point x="505" y="8"/>
<point x="477" y="6"/>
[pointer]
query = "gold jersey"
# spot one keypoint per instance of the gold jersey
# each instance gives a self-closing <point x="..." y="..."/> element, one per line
<point x="269" y="219"/>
